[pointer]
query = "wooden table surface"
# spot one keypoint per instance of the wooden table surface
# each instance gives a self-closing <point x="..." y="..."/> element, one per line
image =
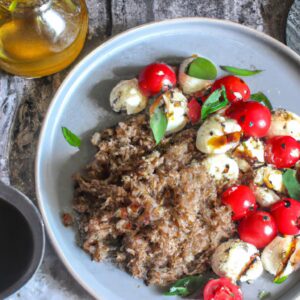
<point x="24" y="102"/>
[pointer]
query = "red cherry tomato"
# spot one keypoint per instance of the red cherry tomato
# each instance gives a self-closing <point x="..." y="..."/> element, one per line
<point x="194" y="112"/>
<point x="241" y="199"/>
<point x="204" y="98"/>
<point x="222" y="289"/>
<point x="258" y="229"/>
<point x="155" y="78"/>
<point x="287" y="216"/>
<point x="236" y="88"/>
<point x="282" y="151"/>
<point x="202" y="95"/>
<point x="253" y="117"/>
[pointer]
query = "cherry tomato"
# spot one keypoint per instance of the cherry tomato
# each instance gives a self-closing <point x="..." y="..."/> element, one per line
<point x="194" y="112"/>
<point x="204" y="98"/>
<point x="287" y="216"/>
<point x="236" y="88"/>
<point x="222" y="289"/>
<point x="253" y="117"/>
<point x="241" y="199"/>
<point x="258" y="229"/>
<point x="155" y="78"/>
<point x="202" y="95"/>
<point x="282" y="151"/>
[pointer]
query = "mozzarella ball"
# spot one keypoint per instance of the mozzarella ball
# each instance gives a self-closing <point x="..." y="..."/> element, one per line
<point x="274" y="253"/>
<point x="294" y="261"/>
<point x="126" y="96"/>
<point x="218" y="134"/>
<point x="221" y="168"/>
<point x="251" y="150"/>
<point x="176" y="110"/>
<point x="271" y="177"/>
<point x="274" y="256"/>
<point x="250" y="153"/>
<point x="284" y="123"/>
<point x="237" y="260"/>
<point x="264" y="196"/>
<point x="254" y="271"/>
<point x="188" y="83"/>
<point x="243" y="164"/>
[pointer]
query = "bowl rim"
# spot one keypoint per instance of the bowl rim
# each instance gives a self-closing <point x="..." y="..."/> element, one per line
<point x="33" y="217"/>
<point x="221" y="22"/>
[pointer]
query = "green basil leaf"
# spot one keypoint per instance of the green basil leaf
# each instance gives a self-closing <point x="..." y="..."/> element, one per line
<point x="261" y="97"/>
<point x="280" y="280"/>
<point x="202" y="68"/>
<point x="13" y="5"/>
<point x="177" y="291"/>
<point x="158" y="124"/>
<point x="186" y="286"/>
<point x="291" y="183"/>
<point x="262" y="295"/>
<point x="213" y="103"/>
<point x="239" y="71"/>
<point x="71" y="137"/>
<point x="223" y="94"/>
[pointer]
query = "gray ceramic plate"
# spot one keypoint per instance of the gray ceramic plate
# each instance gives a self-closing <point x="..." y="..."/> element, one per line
<point x="81" y="104"/>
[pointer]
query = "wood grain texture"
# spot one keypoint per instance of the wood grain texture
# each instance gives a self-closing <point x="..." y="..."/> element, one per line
<point x="24" y="102"/>
<point x="126" y="15"/>
<point x="33" y="97"/>
<point x="293" y="27"/>
<point x="275" y="13"/>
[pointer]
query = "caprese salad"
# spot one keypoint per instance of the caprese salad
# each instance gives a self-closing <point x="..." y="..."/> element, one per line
<point x="244" y="140"/>
<point x="250" y="150"/>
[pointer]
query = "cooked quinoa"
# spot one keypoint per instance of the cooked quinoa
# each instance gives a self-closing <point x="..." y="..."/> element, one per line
<point x="152" y="210"/>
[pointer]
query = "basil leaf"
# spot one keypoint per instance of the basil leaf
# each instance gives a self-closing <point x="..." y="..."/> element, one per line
<point x="280" y="280"/>
<point x="239" y="71"/>
<point x="261" y="97"/>
<point x="262" y="295"/>
<point x="291" y="183"/>
<point x="223" y="94"/>
<point x="213" y="103"/>
<point x="177" y="291"/>
<point x="202" y="68"/>
<point x="13" y="5"/>
<point x="158" y="124"/>
<point x="71" y="137"/>
<point x="186" y="286"/>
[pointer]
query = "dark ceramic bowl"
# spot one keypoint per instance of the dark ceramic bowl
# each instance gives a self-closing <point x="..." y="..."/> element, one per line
<point x="22" y="240"/>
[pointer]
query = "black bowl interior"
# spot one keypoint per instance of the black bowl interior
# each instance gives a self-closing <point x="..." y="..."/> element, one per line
<point x="22" y="240"/>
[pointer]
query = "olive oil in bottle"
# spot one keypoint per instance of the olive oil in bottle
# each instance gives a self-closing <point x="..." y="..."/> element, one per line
<point x="41" y="37"/>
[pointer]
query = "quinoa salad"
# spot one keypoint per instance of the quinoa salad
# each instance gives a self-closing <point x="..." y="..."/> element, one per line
<point x="197" y="190"/>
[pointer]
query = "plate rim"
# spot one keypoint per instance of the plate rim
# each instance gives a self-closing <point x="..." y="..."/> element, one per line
<point x="38" y="163"/>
